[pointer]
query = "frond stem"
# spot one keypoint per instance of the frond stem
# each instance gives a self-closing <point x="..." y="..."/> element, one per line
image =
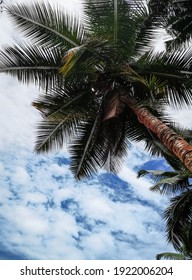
<point x="115" y="20"/>
<point x="28" y="68"/>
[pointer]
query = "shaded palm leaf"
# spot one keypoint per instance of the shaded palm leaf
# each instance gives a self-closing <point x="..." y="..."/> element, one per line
<point x="54" y="134"/>
<point x="179" y="221"/>
<point x="97" y="146"/>
<point x="116" y="142"/>
<point x="84" y="161"/>
<point x="35" y="64"/>
<point x="90" y="58"/>
<point x="157" y="175"/>
<point x="62" y="109"/>
<point x="172" y="70"/>
<point x="45" y="25"/>
<point x="176" y="18"/>
<point x="117" y="20"/>
<point x="94" y="135"/>
<point x="168" y="182"/>
<point x="60" y="101"/>
<point x="86" y="153"/>
<point x="170" y="256"/>
<point x="179" y="23"/>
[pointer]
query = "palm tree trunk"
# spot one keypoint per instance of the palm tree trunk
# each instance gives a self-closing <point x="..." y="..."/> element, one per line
<point x="174" y="142"/>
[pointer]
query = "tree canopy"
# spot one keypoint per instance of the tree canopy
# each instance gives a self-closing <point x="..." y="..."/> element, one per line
<point x="94" y="75"/>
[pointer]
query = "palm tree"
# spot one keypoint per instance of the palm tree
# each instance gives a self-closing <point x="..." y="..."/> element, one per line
<point x="104" y="85"/>
<point x="178" y="214"/>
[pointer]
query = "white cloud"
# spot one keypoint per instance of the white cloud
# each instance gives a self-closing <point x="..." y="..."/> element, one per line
<point x="20" y="176"/>
<point x="34" y="197"/>
<point x="29" y="221"/>
<point x="17" y="114"/>
<point x="97" y="245"/>
<point x="37" y="225"/>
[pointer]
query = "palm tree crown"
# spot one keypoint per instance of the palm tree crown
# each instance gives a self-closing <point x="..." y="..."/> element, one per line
<point x="101" y="81"/>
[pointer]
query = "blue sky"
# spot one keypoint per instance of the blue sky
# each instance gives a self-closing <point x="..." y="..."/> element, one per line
<point x="46" y="214"/>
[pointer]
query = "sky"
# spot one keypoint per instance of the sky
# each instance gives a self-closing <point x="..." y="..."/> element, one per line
<point x="46" y="214"/>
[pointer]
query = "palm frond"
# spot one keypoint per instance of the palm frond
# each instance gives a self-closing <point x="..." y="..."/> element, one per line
<point x="178" y="218"/>
<point x="99" y="144"/>
<point x="85" y="164"/>
<point x="116" y="142"/>
<point x="35" y="64"/>
<point x="170" y="256"/>
<point x="89" y="59"/>
<point x="175" y="17"/>
<point x="156" y="175"/>
<point x="171" y="69"/>
<point x="85" y="153"/>
<point x="168" y="182"/>
<point x="55" y="134"/>
<point x="66" y="99"/>
<point x="179" y="23"/>
<point x="152" y="24"/>
<point x="117" y="20"/>
<point x="63" y="109"/>
<point x="47" y="26"/>
<point x="171" y="185"/>
<point x="70" y="60"/>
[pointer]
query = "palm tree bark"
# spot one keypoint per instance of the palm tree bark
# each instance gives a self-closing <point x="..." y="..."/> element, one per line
<point x="174" y="142"/>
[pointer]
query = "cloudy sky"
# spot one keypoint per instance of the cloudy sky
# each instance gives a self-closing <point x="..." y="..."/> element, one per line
<point x="46" y="214"/>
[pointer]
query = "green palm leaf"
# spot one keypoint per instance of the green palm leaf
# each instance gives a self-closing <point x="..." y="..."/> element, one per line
<point x="47" y="26"/>
<point x="83" y="160"/>
<point x="85" y="152"/>
<point x="62" y="108"/>
<point x="89" y="59"/>
<point x="170" y="256"/>
<point x="32" y="64"/>
<point x="116" y="20"/>
<point x="173" y="71"/>
<point x="61" y="101"/>
<point x="167" y="182"/>
<point x="55" y="134"/>
<point x="116" y="143"/>
<point x="96" y="147"/>
<point x="179" y="220"/>
<point x="179" y="23"/>
<point x="171" y="185"/>
<point x="157" y="175"/>
<point x="176" y="18"/>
